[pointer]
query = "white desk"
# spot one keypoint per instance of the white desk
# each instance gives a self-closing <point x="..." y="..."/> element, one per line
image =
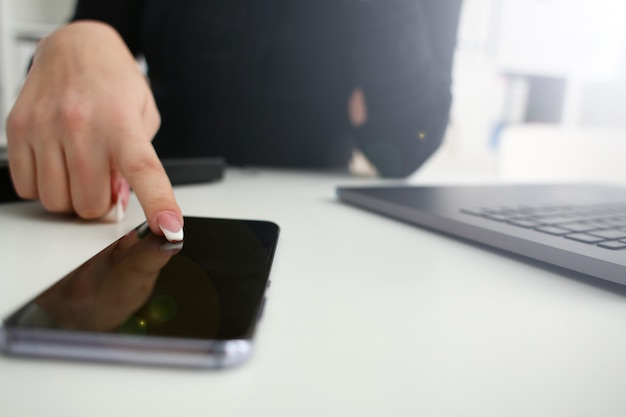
<point x="366" y="317"/>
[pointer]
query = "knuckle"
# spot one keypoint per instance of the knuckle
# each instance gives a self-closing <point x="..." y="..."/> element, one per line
<point x="142" y="165"/>
<point x="90" y="202"/>
<point x="152" y="118"/>
<point x="74" y="116"/>
<point x="17" y="123"/>
<point x="91" y="210"/>
<point x="39" y="119"/>
<point x="156" y="122"/>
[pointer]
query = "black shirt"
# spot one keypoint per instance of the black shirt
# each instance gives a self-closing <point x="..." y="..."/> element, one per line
<point x="267" y="82"/>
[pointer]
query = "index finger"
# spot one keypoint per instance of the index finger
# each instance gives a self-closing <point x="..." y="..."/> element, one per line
<point x="140" y="165"/>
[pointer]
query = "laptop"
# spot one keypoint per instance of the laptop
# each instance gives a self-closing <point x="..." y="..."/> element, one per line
<point x="576" y="227"/>
<point x="181" y="171"/>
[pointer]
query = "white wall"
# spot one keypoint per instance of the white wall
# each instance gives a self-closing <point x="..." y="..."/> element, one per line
<point x="582" y="41"/>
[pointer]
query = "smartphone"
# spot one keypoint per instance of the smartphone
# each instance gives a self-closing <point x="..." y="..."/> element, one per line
<point x="144" y="300"/>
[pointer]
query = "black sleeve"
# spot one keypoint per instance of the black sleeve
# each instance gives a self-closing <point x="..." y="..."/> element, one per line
<point x="123" y="15"/>
<point x="404" y="61"/>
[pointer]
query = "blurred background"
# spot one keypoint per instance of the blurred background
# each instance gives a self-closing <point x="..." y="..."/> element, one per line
<point x="539" y="87"/>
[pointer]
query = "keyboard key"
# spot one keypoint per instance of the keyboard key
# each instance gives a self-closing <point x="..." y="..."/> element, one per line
<point x="597" y="224"/>
<point x="526" y="223"/>
<point x="476" y="211"/>
<point x="553" y="219"/>
<point x="498" y="217"/>
<point x="585" y="238"/>
<point x="609" y="221"/>
<point x="616" y="222"/>
<point x="553" y="230"/>
<point x="613" y="244"/>
<point x="609" y="234"/>
<point x="579" y="226"/>
<point x="601" y="225"/>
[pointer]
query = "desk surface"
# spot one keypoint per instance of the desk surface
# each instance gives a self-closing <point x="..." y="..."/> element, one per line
<point x="365" y="317"/>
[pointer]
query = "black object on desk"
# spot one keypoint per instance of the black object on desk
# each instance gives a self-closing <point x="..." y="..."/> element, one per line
<point x="180" y="171"/>
<point x="7" y="192"/>
<point x="193" y="170"/>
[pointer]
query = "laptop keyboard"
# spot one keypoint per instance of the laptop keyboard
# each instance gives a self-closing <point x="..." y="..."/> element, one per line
<point x="603" y="225"/>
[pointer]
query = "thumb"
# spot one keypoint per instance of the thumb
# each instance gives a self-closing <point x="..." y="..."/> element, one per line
<point x="140" y="165"/>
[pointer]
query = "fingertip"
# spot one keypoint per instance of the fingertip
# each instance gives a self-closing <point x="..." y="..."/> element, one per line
<point x="140" y="165"/>
<point x="170" y="225"/>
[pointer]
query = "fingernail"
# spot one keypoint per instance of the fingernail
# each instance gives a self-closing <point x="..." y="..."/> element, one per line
<point x="124" y="194"/>
<point x="170" y="226"/>
<point x="116" y="214"/>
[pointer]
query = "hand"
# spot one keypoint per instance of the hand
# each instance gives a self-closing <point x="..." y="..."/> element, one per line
<point x="80" y="131"/>
<point x="357" y="108"/>
<point x="359" y="165"/>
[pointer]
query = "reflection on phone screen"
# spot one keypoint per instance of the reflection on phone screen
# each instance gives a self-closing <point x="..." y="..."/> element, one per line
<point x="208" y="287"/>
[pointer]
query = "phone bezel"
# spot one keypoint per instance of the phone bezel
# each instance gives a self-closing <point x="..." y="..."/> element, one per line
<point x="102" y="347"/>
<point x="133" y="349"/>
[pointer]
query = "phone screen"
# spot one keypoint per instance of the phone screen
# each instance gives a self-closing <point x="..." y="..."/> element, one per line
<point x="209" y="287"/>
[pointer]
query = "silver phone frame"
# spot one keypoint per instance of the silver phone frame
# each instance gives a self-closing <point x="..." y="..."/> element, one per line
<point x="132" y="349"/>
<point x="123" y="349"/>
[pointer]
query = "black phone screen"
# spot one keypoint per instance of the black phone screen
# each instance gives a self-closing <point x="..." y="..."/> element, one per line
<point x="211" y="286"/>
